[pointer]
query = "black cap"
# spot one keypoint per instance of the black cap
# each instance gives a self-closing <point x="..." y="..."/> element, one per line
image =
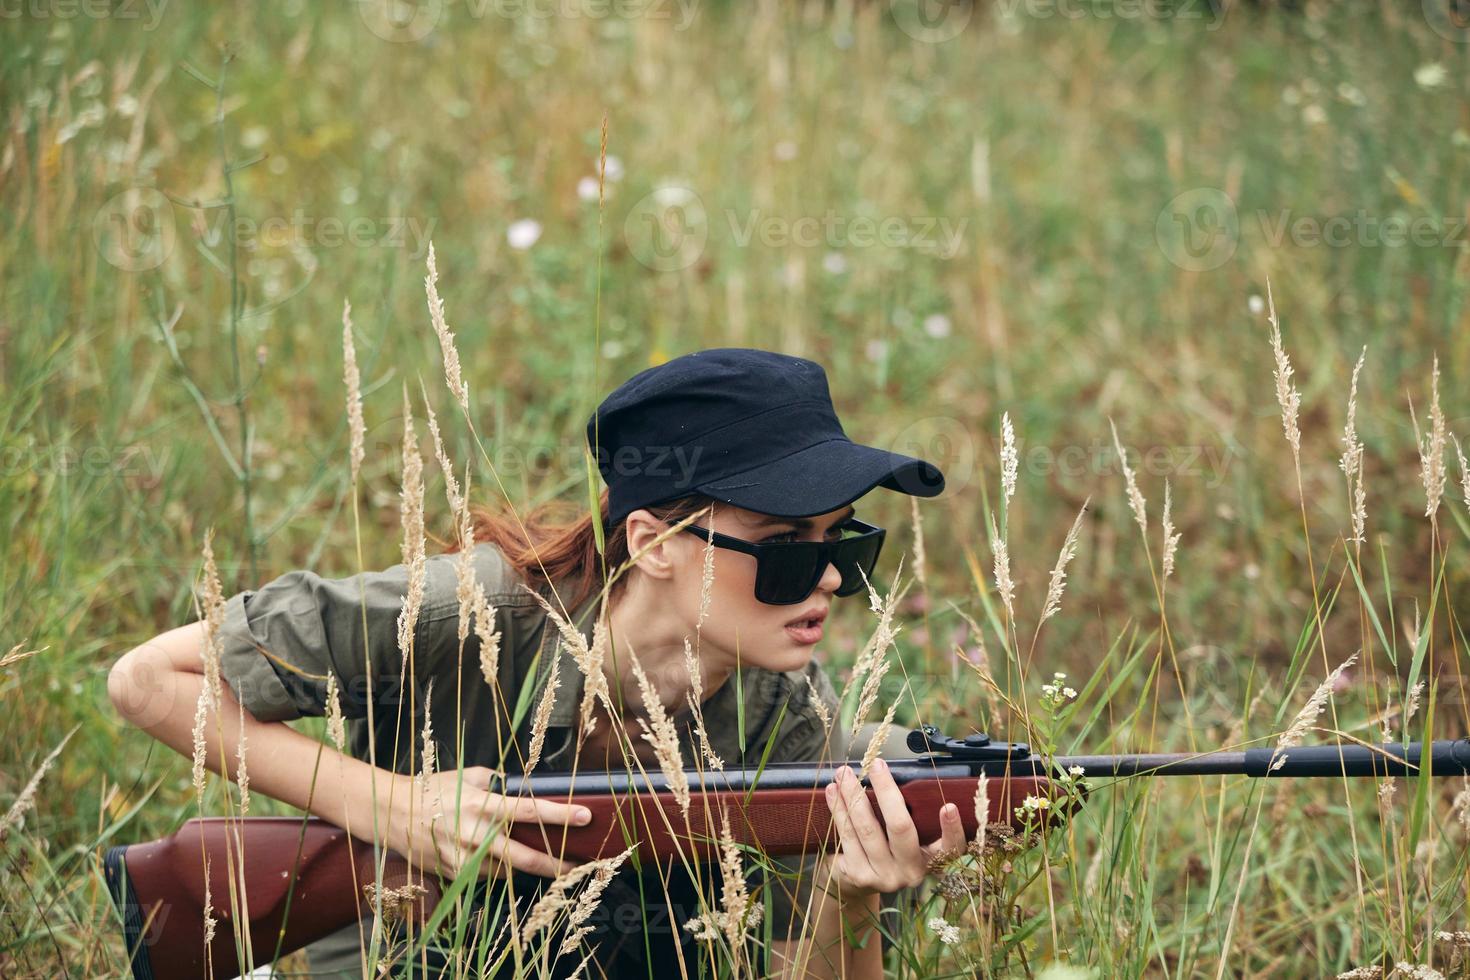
<point x="748" y="427"/>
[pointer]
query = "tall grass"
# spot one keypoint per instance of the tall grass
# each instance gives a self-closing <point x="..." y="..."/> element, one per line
<point x="131" y="387"/>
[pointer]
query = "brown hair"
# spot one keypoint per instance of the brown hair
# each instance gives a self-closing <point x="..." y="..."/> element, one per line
<point x="559" y="545"/>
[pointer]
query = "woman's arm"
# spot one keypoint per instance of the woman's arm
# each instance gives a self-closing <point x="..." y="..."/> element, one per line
<point x="156" y="687"/>
<point x="840" y="940"/>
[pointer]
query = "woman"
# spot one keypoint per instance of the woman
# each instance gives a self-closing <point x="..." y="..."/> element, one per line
<point x="746" y="442"/>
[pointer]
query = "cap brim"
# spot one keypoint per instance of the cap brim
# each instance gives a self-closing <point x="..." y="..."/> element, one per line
<point x="821" y="478"/>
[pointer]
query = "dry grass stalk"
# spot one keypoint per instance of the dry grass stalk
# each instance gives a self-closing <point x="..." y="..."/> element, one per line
<point x="1171" y="537"/>
<point x="17" y="654"/>
<point x="921" y="561"/>
<point x="452" y="376"/>
<point x="588" y="900"/>
<point x="589" y="660"/>
<point x="336" y="724"/>
<point x="1308" y="715"/>
<point x="695" y="697"/>
<point x="707" y="580"/>
<point x="659" y="731"/>
<point x="738" y="915"/>
<point x="209" y="919"/>
<point x="1136" y="503"/>
<point x="353" y="381"/>
<point x="411" y="516"/>
<point x="209" y="696"/>
<point x="430" y="752"/>
<point x="489" y="637"/>
<point x="1411" y="705"/>
<point x="15" y="816"/>
<point x="879" y="738"/>
<point x="820" y="706"/>
<point x="542" y="717"/>
<point x="1351" y="463"/>
<point x="555" y="899"/>
<point x="982" y="810"/>
<point x="1010" y="461"/>
<point x="1002" y="570"/>
<point x="885" y="633"/>
<point x="1058" y="582"/>
<point x="1287" y="396"/>
<point x="396" y="903"/>
<point x="1431" y="448"/>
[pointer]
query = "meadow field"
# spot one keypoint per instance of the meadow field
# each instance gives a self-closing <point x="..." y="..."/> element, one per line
<point x="1074" y="220"/>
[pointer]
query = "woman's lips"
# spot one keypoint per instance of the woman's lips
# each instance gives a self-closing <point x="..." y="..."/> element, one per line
<point x="806" y="634"/>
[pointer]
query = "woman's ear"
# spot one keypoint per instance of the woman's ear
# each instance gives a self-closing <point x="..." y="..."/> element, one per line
<point x="643" y="530"/>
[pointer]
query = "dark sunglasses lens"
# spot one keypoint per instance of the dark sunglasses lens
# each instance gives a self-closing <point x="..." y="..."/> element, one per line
<point x="788" y="575"/>
<point x="852" y="555"/>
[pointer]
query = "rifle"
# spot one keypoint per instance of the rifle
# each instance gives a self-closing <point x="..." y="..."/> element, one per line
<point x="299" y="879"/>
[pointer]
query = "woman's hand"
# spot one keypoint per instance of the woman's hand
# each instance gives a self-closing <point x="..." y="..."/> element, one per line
<point x="422" y="825"/>
<point x="884" y="858"/>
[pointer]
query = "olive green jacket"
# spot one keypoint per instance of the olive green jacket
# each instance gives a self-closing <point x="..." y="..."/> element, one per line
<point x="279" y="641"/>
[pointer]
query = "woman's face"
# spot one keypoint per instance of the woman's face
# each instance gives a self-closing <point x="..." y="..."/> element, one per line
<point x="763" y="635"/>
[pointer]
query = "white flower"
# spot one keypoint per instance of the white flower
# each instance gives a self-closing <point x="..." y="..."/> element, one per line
<point x="587" y="188"/>
<point x="1068" y="692"/>
<point x="523" y="234"/>
<point x="835" y="263"/>
<point x="1431" y="75"/>
<point x="614" y="168"/>
<point x="1256" y="305"/>
<point x="948" y="932"/>
<point x="937" y="325"/>
<point x="1075" y="771"/>
<point x="1314" y="115"/>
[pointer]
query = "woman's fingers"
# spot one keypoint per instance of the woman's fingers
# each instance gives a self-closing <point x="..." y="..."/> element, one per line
<point x="903" y="837"/>
<point x="951" y="832"/>
<point x="860" y="816"/>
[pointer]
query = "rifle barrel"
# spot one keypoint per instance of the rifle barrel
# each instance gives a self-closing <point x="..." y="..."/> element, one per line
<point x="1446" y="758"/>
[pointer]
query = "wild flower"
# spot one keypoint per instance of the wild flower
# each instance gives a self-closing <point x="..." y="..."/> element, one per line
<point x="948" y="932"/>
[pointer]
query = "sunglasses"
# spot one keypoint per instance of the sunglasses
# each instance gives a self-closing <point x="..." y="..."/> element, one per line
<point x="786" y="572"/>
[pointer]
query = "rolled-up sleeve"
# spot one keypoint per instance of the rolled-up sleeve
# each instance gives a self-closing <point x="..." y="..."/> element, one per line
<point x="278" y="642"/>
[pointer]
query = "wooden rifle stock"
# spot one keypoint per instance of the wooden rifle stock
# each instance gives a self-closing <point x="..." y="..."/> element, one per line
<point x="159" y="885"/>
